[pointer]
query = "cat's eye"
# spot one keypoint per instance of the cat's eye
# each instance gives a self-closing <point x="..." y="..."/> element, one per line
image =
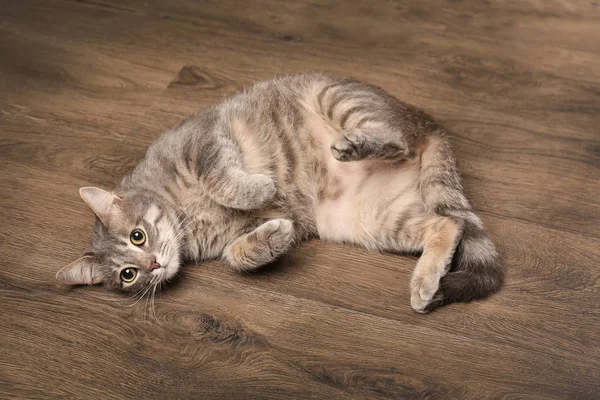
<point x="137" y="237"/>
<point x="128" y="275"/>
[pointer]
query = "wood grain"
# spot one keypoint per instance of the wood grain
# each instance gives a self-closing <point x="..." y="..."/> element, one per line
<point x="86" y="86"/>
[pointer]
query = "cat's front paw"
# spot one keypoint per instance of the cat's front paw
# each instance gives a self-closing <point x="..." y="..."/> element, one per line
<point x="261" y="191"/>
<point x="424" y="293"/>
<point x="278" y="233"/>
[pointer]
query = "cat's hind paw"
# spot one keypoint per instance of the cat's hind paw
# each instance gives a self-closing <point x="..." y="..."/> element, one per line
<point x="357" y="144"/>
<point x="348" y="147"/>
<point x="425" y="294"/>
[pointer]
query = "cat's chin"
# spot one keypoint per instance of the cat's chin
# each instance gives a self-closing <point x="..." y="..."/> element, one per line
<point x="167" y="272"/>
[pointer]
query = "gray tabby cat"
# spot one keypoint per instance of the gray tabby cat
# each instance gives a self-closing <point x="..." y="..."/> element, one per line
<point x="288" y="159"/>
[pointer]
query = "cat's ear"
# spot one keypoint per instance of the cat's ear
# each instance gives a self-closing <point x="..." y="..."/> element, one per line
<point x="104" y="204"/>
<point x="83" y="271"/>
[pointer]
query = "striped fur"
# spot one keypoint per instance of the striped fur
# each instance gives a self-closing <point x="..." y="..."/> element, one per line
<point x="295" y="157"/>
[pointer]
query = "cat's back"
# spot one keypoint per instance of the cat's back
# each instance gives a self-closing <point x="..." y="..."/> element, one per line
<point x="262" y="99"/>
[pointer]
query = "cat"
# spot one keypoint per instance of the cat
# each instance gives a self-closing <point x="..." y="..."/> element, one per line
<point x="288" y="159"/>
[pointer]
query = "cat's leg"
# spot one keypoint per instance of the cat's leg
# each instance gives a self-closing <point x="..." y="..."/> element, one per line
<point x="371" y="123"/>
<point x="233" y="187"/>
<point x="440" y="237"/>
<point x="371" y="143"/>
<point x="224" y="177"/>
<point x="261" y="246"/>
<point x="411" y="230"/>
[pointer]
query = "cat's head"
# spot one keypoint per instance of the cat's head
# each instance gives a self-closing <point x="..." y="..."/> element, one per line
<point x="134" y="244"/>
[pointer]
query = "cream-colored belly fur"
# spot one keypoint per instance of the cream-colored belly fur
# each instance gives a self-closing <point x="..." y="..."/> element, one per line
<point x="366" y="197"/>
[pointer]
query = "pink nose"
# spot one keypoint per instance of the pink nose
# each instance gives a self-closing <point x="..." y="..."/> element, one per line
<point x="153" y="264"/>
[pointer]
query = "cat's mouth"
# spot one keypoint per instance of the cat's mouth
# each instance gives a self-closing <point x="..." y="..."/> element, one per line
<point x="167" y="271"/>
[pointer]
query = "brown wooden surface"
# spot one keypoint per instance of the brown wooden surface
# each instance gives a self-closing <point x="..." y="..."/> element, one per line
<point x="85" y="86"/>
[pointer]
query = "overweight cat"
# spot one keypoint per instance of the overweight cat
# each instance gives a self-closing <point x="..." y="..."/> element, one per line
<point x="288" y="159"/>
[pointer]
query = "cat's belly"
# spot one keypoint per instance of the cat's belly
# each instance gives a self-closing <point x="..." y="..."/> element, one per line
<point x="364" y="198"/>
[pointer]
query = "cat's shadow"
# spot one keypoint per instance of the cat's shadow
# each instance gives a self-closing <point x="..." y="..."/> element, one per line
<point x="278" y="267"/>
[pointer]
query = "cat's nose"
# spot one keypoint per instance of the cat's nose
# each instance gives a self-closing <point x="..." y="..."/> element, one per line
<point x="153" y="264"/>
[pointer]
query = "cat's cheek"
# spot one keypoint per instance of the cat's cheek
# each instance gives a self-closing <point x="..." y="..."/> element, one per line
<point x="171" y="270"/>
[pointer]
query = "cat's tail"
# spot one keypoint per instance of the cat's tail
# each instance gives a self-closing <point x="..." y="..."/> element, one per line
<point x="475" y="272"/>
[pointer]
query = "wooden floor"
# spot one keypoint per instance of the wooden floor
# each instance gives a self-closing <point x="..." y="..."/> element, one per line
<point x="85" y="87"/>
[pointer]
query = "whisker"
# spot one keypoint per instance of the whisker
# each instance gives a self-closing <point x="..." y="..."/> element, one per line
<point x="153" y="304"/>
<point x="150" y="285"/>
<point x="182" y="230"/>
<point x="144" y="291"/>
